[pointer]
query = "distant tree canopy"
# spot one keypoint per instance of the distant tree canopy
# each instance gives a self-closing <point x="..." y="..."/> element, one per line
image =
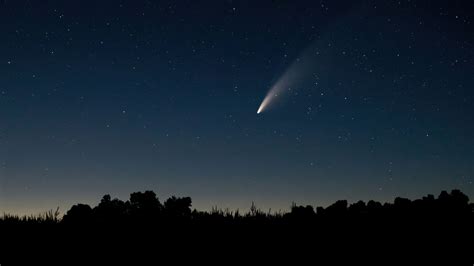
<point x="142" y="206"/>
<point x="146" y="207"/>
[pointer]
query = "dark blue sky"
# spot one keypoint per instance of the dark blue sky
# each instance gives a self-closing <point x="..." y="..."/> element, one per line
<point x="114" y="97"/>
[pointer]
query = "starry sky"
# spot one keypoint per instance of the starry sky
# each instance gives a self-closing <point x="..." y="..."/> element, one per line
<point x="112" y="97"/>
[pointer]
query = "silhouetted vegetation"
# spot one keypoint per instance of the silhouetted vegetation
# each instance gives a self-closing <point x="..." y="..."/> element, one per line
<point x="146" y="208"/>
<point x="441" y="225"/>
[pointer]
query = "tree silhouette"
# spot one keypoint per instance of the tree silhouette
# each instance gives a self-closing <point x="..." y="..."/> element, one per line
<point x="439" y="223"/>
<point x="144" y="208"/>
<point x="178" y="207"/>
<point x="336" y="209"/>
<point x="302" y="212"/>
<point x="79" y="213"/>
<point x="358" y="208"/>
<point x="145" y="205"/>
<point x="110" y="210"/>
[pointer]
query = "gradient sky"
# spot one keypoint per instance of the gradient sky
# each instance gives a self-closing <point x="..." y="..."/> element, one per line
<point x="112" y="97"/>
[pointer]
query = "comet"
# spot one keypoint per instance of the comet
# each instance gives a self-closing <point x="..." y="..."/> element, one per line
<point x="293" y="76"/>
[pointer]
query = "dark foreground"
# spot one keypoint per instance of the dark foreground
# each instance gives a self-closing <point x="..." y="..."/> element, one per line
<point x="144" y="228"/>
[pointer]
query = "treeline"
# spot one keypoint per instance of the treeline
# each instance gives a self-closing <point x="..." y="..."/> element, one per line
<point x="146" y="208"/>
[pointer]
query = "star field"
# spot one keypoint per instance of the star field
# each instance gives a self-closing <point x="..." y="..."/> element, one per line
<point x="120" y="96"/>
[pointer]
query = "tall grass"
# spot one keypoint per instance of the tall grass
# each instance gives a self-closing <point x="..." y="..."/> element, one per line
<point x="47" y="217"/>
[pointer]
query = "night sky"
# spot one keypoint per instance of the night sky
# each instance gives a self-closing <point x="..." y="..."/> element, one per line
<point x="112" y="97"/>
